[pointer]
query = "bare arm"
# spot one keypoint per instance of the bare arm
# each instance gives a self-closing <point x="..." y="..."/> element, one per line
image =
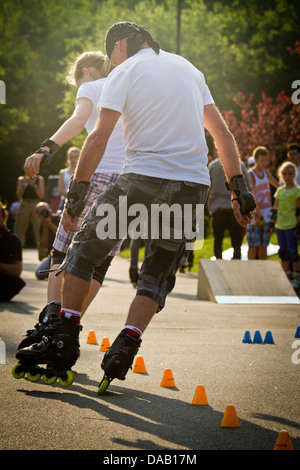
<point x="40" y="191"/>
<point x="74" y="125"/>
<point x="20" y="187"/>
<point x="13" y="269"/>
<point x="227" y="150"/>
<point x="70" y="128"/>
<point x="273" y="181"/>
<point x="61" y="186"/>
<point x="91" y="154"/>
<point x="225" y="143"/>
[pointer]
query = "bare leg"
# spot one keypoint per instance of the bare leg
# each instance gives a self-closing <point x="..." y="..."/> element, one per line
<point x="74" y="292"/>
<point x="262" y="252"/>
<point x="252" y="251"/>
<point x="55" y="284"/>
<point x="94" y="289"/>
<point x="285" y="266"/>
<point x="141" y="311"/>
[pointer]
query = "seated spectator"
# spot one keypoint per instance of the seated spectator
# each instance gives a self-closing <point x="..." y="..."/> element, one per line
<point x="10" y="260"/>
<point x="48" y="227"/>
<point x="29" y="192"/>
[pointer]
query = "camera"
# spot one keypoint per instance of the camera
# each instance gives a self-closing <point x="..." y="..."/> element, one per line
<point x="45" y="213"/>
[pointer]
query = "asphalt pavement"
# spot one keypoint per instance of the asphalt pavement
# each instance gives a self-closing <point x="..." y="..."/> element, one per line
<point x="201" y="342"/>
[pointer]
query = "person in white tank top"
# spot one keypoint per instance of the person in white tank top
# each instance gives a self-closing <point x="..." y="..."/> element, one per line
<point x="66" y="174"/>
<point x="260" y="178"/>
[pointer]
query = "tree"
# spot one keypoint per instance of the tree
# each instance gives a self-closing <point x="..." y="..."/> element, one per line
<point x="272" y="123"/>
<point x="239" y="46"/>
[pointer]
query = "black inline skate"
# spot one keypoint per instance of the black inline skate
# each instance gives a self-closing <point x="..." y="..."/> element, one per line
<point x="118" y="359"/>
<point x="50" y="312"/>
<point x="59" y="350"/>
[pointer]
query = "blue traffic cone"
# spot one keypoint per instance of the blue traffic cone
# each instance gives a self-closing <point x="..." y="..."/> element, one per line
<point x="257" y="339"/>
<point x="247" y="337"/>
<point x="297" y="335"/>
<point x="268" y="338"/>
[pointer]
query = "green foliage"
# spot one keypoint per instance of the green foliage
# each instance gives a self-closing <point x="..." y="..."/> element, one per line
<point x="240" y="46"/>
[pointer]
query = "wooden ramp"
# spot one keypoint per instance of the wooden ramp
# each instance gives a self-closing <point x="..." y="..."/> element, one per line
<point x="251" y="281"/>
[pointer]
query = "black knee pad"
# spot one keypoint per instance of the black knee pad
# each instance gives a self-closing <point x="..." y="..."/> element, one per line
<point x="284" y="255"/>
<point x="294" y="257"/>
<point x="57" y="257"/>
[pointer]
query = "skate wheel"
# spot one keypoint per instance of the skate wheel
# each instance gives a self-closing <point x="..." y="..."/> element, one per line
<point x="49" y="380"/>
<point x="69" y="380"/>
<point x="103" y="385"/>
<point x="35" y="377"/>
<point x="17" y="374"/>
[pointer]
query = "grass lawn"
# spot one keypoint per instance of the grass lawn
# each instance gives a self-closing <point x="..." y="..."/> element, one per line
<point x="206" y="252"/>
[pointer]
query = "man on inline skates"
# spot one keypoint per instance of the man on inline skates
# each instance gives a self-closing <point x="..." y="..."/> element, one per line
<point x="166" y="106"/>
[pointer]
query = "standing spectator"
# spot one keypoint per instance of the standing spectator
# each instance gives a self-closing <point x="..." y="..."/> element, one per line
<point x="10" y="260"/>
<point x="220" y="209"/>
<point x="48" y="227"/>
<point x="286" y="214"/>
<point x="260" y="179"/>
<point x="66" y="173"/>
<point x="293" y="155"/>
<point x="13" y="210"/>
<point x="29" y="192"/>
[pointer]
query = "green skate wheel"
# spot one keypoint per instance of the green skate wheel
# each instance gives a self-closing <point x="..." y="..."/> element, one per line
<point x="69" y="380"/>
<point x="17" y="374"/>
<point x="34" y="377"/>
<point x="103" y="385"/>
<point x="49" y="380"/>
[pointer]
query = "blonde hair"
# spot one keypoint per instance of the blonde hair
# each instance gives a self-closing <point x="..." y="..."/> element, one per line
<point x="72" y="149"/>
<point x="96" y="59"/>
<point x="284" y="166"/>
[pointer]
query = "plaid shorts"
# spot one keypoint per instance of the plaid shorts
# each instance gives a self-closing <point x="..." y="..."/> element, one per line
<point x="258" y="236"/>
<point x="158" y="272"/>
<point x="98" y="184"/>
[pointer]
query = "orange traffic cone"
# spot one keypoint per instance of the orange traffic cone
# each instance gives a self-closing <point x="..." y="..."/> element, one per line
<point x="168" y="379"/>
<point x="230" y="419"/>
<point x="200" y="397"/>
<point x="139" y="367"/>
<point x="91" y="338"/>
<point x="105" y="345"/>
<point x="283" y="441"/>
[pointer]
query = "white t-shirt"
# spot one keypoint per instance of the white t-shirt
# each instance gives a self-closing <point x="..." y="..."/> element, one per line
<point x="161" y="97"/>
<point x="113" y="158"/>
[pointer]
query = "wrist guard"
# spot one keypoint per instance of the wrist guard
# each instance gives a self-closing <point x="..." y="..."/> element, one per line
<point x="244" y="197"/>
<point x="47" y="155"/>
<point x="274" y="215"/>
<point x="76" y="192"/>
<point x="271" y="224"/>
